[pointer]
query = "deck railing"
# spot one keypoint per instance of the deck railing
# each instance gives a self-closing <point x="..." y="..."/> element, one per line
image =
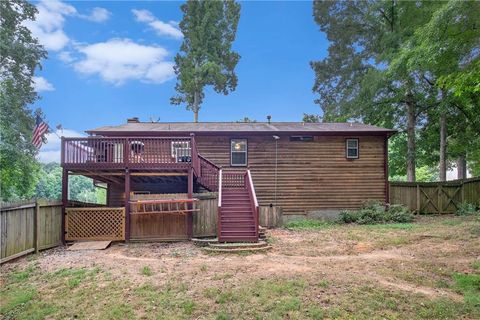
<point x="111" y="153"/>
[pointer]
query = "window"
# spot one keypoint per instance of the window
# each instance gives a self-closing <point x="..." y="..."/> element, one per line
<point x="238" y="152"/>
<point x="301" y="138"/>
<point x="352" y="148"/>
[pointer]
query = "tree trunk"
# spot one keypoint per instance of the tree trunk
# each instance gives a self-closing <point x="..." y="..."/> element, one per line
<point x="196" y="107"/>
<point x="411" y="120"/>
<point x="462" y="167"/>
<point x="443" y="147"/>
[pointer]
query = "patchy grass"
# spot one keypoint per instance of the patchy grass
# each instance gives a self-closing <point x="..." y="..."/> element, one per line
<point x="307" y="224"/>
<point x="146" y="271"/>
<point x="469" y="286"/>
<point x="421" y="270"/>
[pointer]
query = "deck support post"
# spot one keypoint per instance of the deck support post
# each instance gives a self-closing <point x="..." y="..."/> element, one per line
<point x="385" y="169"/>
<point x="190" y="206"/>
<point x="64" y="202"/>
<point x="127" y="205"/>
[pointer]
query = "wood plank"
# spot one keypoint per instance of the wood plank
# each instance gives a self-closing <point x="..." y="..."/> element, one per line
<point x="90" y="245"/>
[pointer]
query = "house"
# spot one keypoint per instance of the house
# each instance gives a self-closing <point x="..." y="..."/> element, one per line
<point x="303" y="168"/>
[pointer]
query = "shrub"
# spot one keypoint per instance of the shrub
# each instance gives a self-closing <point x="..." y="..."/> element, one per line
<point x="399" y="213"/>
<point x="466" y="208"/>
<point x="373" y="212"/>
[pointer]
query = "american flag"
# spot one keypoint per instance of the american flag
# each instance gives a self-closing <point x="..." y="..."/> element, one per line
<point x="40" y="129"/>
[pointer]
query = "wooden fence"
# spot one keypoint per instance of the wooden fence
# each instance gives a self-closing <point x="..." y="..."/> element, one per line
<point x="29" y="226"/>
<point x="435" y="197"/>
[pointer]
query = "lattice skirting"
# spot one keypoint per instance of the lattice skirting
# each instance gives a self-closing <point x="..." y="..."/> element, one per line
<point x="95" y="223"/>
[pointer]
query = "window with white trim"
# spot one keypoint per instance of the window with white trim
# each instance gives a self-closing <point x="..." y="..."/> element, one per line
<point x="351" y="147"/>
<point x="238" y="152"/>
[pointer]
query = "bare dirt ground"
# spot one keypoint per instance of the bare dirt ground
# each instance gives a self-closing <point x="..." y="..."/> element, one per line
<point x="334" y="266"/>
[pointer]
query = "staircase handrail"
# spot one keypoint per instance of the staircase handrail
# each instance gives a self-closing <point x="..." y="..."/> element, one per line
<point x="207" y="175"/>
<point x="219" y="212"/>
<point x="251" y="190"/>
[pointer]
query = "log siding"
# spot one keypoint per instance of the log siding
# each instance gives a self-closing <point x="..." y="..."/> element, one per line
<point x="311" y="175"/>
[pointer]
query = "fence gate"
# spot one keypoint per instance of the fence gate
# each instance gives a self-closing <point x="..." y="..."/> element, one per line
<point x="95" y="224"/>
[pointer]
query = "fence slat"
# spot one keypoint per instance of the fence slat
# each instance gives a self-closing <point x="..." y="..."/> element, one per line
<point x="435" y="197"/>
<point x="28" y="226"/>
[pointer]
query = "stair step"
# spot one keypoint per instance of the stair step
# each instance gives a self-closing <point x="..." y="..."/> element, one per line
<point x="239" y="239"/>
<point x="236" y="208"/>
<point x="236" y="250"/>
<point x="235" y="232"/>
<point x="237" y="216"/>
<point x="249" y="245"/>
<point x="233" y="227"/>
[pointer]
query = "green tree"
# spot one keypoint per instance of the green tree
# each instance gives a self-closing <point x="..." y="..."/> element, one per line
<point x="80" y="188"/>
<point x="443" y="49"/>
<point x="247" y="120"/>
<point x="386" y="63"/>
<point x="20" y="55"/>
<point x="311" y="118"/>
<point x="206" y="57"/>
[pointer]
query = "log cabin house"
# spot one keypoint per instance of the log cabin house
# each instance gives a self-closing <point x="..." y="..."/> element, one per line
<point x="152" y="170"/>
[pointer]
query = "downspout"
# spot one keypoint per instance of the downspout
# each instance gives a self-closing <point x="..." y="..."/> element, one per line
<point x="276" y="167"/>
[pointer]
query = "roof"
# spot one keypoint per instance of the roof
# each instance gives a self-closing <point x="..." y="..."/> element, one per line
<point x="238" y="127"/>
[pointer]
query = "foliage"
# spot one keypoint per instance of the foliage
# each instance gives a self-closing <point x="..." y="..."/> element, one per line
<point x="466" y="208"/>
<point x="206" y="57"/>
<point x="20" y="55"/>
<point x="80" y="188"/>
<point x="384" y="54"/>
<point x="311" y="118"/>
<point x="373" y="212"/>
<point x="307" y="224"/>
<point x="246" y="120"/>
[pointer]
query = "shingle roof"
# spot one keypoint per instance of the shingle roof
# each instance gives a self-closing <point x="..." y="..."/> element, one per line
<point x="204" y="127"/>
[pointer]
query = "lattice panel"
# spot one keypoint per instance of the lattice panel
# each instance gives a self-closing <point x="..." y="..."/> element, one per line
<point x="95" y="224"/>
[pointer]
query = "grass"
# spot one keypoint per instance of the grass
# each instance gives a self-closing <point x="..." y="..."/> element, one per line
<point x="469" y="286"/>
<point x="146" y="271"/>
<point x="221" y="289"/>
<point x="307" y="224"/>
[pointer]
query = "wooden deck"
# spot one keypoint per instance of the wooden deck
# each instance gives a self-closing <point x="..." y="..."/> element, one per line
<point x="104" y="153"/>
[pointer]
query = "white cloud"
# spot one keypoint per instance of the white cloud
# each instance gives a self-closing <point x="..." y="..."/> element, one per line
<point x="50" y="20"/>
<point x="119" y="60"/>
<point x="162" y="28"/>
<point x="97" y="15"/>
<point x="66" y="56"/>
<point x="50" y="152"/>
<point x="48" y="25"/>
<point x="41" y="84"/>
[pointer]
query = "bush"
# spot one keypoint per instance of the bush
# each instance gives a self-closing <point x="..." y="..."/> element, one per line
<point x="373" y="212"/>
<point x="465" y="209"/>
<point x="400" y="213"/>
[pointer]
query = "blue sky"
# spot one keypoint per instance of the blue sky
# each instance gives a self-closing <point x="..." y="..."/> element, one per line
<point x="112" y="60"/>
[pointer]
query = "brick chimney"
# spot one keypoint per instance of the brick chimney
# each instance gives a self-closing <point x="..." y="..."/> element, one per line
<point x="133" y="120"/>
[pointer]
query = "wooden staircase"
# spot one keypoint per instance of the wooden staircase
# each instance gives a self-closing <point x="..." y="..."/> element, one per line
<point x="237" y="208"/>
<point x="237" y="202"/>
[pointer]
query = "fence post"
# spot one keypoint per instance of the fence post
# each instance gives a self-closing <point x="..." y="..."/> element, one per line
<point x="462" y="191"/>
<point x="36" y="212"/>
